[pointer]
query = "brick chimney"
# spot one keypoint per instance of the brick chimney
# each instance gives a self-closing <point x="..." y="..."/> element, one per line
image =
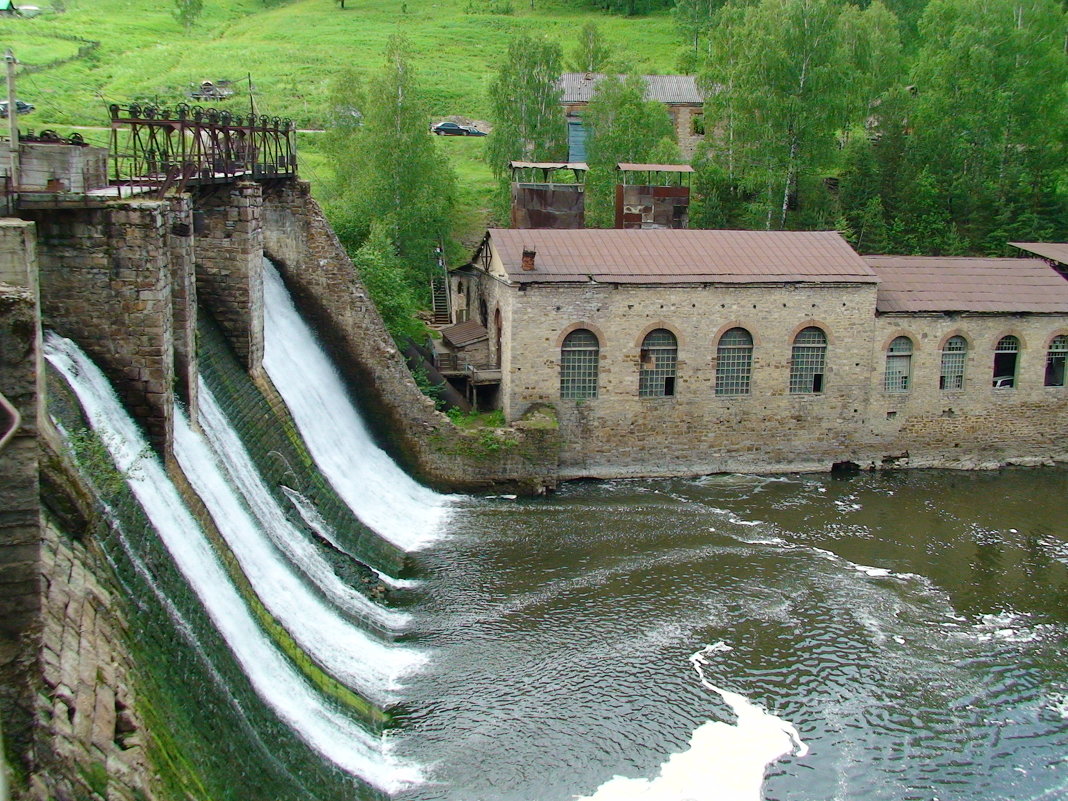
<point x="528" y="258"/>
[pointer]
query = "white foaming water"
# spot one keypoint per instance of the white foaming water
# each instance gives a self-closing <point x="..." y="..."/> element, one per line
<point x="296" y="547"/>
<point x="316" y="523"/>
<point x="723" y="763"/>
<point x="341" y="647"/>
<point x="336" y="737"/>
<point x="382" y="495"/>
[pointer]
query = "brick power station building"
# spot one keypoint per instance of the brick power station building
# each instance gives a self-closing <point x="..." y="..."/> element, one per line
<point x="670" y="352"/>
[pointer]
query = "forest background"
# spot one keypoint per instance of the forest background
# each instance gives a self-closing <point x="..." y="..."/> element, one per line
<point x="910" y="126"/>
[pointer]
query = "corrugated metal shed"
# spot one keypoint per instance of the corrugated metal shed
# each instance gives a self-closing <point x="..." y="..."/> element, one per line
<point x="673" y="256"/>
<point x="626" y="167"/>
<point x="1054" y="251"/>
<point x="464" y="334"/>
<point x="966" y="284"/>
<point x="579" y="87"/>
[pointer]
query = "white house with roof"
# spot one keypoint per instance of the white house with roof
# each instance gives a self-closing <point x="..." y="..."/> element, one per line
<point x="672" y="352"/>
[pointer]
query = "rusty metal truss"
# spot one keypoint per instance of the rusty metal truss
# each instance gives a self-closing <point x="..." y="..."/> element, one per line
<point x="161" y="149"/>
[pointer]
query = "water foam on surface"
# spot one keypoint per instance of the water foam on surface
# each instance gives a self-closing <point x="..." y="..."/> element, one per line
<point x="379" y="493"/>
<point x="320" y="724"/>
<point x="341" y="647"/>
<point x="724" y="762"/>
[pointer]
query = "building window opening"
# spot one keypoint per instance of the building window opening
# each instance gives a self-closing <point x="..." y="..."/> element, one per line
<point x="898" y="365"/>
<point x="659" y="355"/>
<point x="807" y="362"/>
<point x="954" y="354"/>
<point x="1055" y="361"/>
<point x="734" y="362"/>
<point x="579" y="357"/>
<point x="1005" y="359"/>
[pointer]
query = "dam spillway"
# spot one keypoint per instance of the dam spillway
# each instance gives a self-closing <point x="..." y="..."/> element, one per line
<point x="880" y="636"/>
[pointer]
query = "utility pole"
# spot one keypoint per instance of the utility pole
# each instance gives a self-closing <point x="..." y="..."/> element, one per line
<point x="12" y="121"/>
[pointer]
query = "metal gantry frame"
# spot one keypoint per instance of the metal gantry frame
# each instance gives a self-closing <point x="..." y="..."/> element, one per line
<point x="189" y="145"/>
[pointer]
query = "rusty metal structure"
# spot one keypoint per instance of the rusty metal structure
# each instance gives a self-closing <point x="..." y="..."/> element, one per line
<point x="156" y="148"/>
<point x="653" y="196"/>
<point x="545" y="203"/>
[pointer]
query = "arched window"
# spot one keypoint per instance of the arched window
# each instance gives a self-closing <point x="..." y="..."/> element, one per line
<point x="656" y="376"/>
<point x="1005" y="360"/>
<point x="1055" y="361"/>
<point x="734" y="362"/>
<point x="579" y="357"/>
<point x="807" y="361"/>
<point x="954" y="355"/>
<point x="898" y="365"/>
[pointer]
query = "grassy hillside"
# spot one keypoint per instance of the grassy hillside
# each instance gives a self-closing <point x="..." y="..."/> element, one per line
<point x="292" y="50"/>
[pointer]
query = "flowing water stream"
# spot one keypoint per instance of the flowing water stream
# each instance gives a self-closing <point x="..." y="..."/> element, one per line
<point x="890" y="636"/>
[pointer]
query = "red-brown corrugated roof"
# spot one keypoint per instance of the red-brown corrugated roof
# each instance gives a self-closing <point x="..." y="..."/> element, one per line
<point x="680" y="256"/>
<point x="1054" y="251"/>
<point x="465" y="333"/>
<point x="626" y="167"/>
<point x="949" y="283"/>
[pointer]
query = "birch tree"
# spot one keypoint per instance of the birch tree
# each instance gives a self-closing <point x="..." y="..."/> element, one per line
<point x="528" y="120"/>
<point x="803" y="76"/>
<point x="391" y="173"/>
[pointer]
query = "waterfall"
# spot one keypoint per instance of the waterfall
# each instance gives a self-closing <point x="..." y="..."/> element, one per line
<point x="382" y="495"/>
<point x="338" y="738"/>
<point x="226" y="480"/>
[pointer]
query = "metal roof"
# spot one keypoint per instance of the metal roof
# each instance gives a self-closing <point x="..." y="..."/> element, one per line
<point x="654" y="167"/>
<point x="679" y="256"/>
<point x="1054" y="251"/>
<point x="950" y="283"/>
<point x="579" y="87"/>
<point x="549" y="165"/>
<point x="463" y="334"/>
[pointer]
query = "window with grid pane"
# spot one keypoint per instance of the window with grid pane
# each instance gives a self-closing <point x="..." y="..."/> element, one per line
<point x="1055" y="361"/>
<point x="954" y="354"/>
<point x="578" y="365"/>
<point x="1005" y="360"/>
<point x="898" y="365"/>
<point x="734" y="362"/>
<point x="656" y="377"/>
<point x="807" y="361"/>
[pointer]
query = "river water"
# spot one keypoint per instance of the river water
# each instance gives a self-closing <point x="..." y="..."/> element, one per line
<point x="896" y="636"/>
<point x="908" y="628"/>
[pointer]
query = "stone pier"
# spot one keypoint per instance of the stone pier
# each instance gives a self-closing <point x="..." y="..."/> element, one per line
<point x="228" y="243"/>
<point x="106" y="284"/>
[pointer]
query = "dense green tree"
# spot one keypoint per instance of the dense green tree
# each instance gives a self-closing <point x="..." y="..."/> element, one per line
<point x="592" y="53"/>
<point x="695" y="18"/>
<point x="384" y="276"/>
<point x="528" y="120"/>
<point x="810" y="70"/>
<point x="990" y="120"/>
<point x="622" y="125"/>
<point x="187" y="12"/>
<point x="389" y="169"/>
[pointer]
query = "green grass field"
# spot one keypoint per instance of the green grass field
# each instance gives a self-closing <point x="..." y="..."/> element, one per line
<point x="292" y="50"/>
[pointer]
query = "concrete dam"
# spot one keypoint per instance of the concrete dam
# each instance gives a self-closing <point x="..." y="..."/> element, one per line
<point x="204" y="544"/>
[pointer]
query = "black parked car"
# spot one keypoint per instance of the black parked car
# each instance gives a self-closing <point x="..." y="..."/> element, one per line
<point x="455" y="129"/>
<point x="20" y="108"/>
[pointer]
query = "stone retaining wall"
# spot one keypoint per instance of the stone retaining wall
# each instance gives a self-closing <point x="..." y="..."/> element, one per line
<point x="322" y="278"/>
<point x="106" y="283"/>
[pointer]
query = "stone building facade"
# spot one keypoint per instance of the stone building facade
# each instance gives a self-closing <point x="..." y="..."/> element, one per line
<point x="680" y="95"/>
<point x="689" y="352"/>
